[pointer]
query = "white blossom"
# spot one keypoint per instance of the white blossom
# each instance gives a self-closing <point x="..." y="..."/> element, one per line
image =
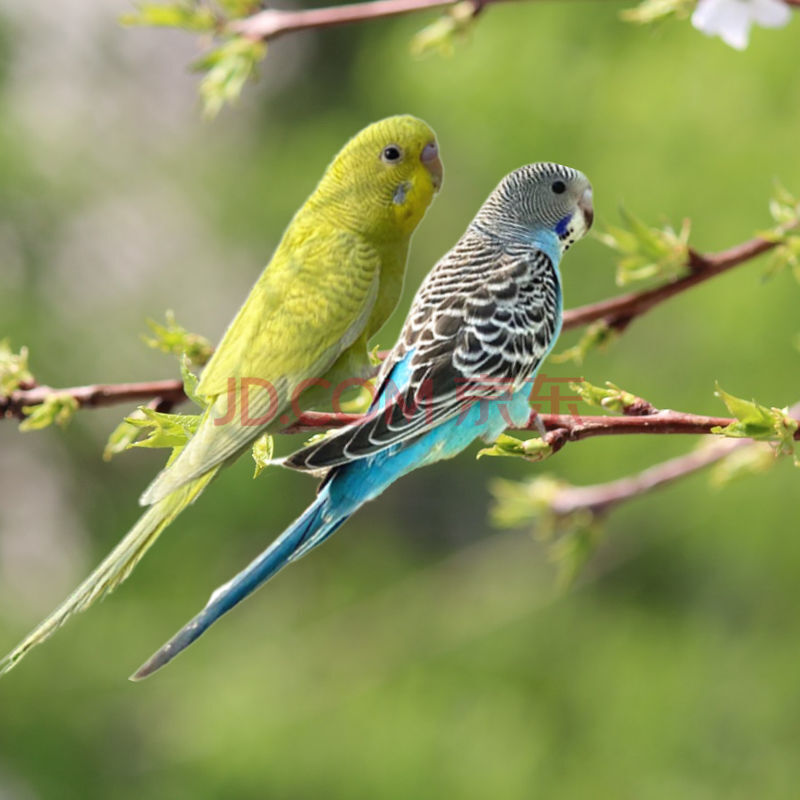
<point x="731" y="19"/>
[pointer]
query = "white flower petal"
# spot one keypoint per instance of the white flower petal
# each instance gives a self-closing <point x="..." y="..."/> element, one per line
<point x="705" y="15"/>
<point x="735" y="28"/>
<point x="770" y="13"/>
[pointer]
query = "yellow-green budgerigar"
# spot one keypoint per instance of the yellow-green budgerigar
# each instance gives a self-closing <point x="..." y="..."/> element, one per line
<point x="335" y="277"/>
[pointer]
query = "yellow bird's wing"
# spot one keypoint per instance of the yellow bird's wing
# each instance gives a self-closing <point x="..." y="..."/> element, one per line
<point x="305" y="310"/>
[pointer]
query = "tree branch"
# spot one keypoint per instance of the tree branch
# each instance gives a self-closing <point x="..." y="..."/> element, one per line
<point x="94" y="396"/>
<point x="560" y="428"/>
<point x="563" y="428"/>
<point x="600" y="497"/>
<point x="618" y="312"/>
<point x="274" y="22"/>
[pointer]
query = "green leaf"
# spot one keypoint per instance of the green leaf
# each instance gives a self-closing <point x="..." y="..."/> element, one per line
<point x="598" y="334"/>
<point x="743" y="462"/>
<point x="227" y="69"/>
<point x="785" y="256"/>
<point x="785" y="210"/>
<point x="440" y="36"/>
<point x="14" y="370"/>
<point x="518" y="503"/>
<point x="190" y="381"/>
<point x="784" y="206"/>
<point x="262" y="453"/>
<point x="754" y="421"/>
<point x="57" y="408"/>
<point x="235" y="9"/>
<point x="572" y="537"/>
<point x="189" y="16"/>
<point x="375" y="359"/>
<point x="656" y="10"/>
<point x="647" y="252"/>
<point x="174" y="339"/>
<point x="164" y="430"/>
<point x="611" y="398"/>
<point x="123" y="436"/>
<point x="534" y="449"/>
<point x="574" y="549"/>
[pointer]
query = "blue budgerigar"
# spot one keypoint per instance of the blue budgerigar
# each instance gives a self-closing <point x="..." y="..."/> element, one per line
<point x="479" y="328"/>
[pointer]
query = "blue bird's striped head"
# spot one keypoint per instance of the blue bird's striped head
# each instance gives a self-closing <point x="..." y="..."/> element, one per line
<point x="537" y="199"/>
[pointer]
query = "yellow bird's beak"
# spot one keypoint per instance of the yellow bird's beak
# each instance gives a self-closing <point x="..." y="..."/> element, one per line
<point x="430" y="159"/>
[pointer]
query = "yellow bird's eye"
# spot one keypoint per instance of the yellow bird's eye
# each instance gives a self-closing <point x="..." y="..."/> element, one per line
<point x="391" y="154"/>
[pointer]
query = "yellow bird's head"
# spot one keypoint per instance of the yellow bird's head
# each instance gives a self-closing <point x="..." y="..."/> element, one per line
<point x="383" y="180"/>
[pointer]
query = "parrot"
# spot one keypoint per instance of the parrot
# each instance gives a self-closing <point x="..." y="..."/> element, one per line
<point x="480" y="325"/>
<point x="333" y="280"/>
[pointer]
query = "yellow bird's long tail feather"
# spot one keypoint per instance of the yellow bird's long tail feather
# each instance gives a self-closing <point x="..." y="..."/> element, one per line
<point x="115" y="567"/>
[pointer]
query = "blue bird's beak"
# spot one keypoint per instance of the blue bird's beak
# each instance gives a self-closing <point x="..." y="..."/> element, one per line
<point x="587" y="207"/>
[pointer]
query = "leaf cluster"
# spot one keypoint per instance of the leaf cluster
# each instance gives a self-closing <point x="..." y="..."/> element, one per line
<point x="14" y="371"/>
<point x="647" y="252"/>
<point x="761" y="423"/>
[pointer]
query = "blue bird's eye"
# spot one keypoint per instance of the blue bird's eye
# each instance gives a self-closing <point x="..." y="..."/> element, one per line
<point x="559" y="187"/>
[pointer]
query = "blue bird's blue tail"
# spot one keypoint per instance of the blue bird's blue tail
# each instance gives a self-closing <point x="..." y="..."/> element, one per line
<point x="310" y="529"/>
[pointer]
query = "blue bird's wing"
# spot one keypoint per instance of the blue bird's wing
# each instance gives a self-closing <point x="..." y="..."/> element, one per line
<point x="474" y="332"/>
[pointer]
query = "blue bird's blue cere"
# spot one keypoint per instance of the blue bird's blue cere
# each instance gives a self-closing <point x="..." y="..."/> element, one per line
<point x="480" y="326"/>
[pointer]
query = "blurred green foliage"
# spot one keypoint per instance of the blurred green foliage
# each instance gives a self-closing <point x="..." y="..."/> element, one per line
<point x="420" y="653"/>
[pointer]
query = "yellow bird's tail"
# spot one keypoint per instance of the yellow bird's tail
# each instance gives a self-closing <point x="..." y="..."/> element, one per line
<point x="115" y="567"/>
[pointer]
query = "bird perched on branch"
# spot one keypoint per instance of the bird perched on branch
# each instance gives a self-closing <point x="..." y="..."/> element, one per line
<point x="334" y="279"/>
<point x="481" y="324"/>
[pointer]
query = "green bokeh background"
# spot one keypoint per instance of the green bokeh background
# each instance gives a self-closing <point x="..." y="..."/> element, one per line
<point x="420" y="653"/>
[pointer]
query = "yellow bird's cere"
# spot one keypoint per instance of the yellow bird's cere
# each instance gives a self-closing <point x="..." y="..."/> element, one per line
<point x="332" y="282"/>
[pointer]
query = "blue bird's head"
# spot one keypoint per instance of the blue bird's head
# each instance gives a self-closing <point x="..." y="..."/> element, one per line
<point x="540" y="199"/>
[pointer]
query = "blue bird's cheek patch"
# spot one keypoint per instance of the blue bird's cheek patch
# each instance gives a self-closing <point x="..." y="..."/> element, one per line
<point x="562" y="226"/>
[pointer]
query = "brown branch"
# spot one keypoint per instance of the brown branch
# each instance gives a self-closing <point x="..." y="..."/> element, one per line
<point x="167" y="392"/>
<point x="601" y="497"/>
<point x="274" y="22"/>
<point x="617" y="312"/>
<point x="560" y="428"/>
<point x="563" y="428"/>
